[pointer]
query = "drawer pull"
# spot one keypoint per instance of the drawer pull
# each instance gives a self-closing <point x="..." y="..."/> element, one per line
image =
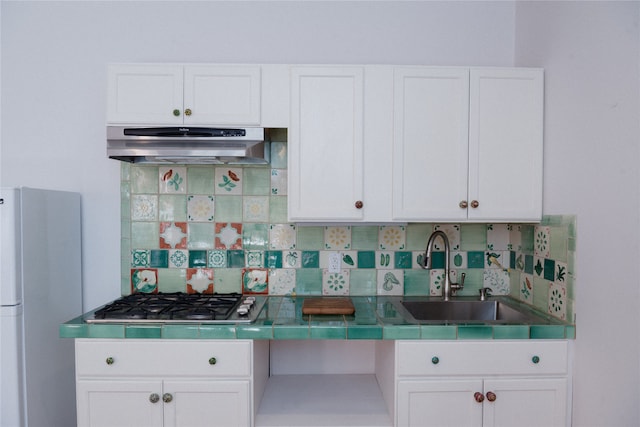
<point x="435" y="360"/>
<point x="167" y="397"/>
<point x="475" y="204"/>
<point x="535" y="359"/>
<point x="479" y="397"/>
<point x="212" y="361"/>
<point x="109" y="360"/>
<point x="491" y="396"/>
<point x="359" y="204"/>
<point x="187" y="112"/>
<point x="176" y="112"/>
<point x="154" y="398"/>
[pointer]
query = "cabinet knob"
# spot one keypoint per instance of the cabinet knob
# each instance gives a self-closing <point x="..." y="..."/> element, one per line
<point x="154" y="398"/>
<point x="176" y="112"/>
<point x="359" y="204"/>
<point x="109" y="360"/>
<point x="435" y="360"/>
<point x="479" y="397"/>
<point x="167" y="397"/>
<point x="212" y="361"/>
<point x="463" y="204"/>
<point x="535" y="359"/>
<point x="187" y="112"/>
<point x="475" y="204"/>
<point x="491" y="396"/>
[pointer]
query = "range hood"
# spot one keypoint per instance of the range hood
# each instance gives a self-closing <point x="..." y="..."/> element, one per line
<point x="188" y="145"/>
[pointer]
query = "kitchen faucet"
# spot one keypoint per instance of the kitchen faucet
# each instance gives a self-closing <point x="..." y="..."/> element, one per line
<point x="449" y="288"/>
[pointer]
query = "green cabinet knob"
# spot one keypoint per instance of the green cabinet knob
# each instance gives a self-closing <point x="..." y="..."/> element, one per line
<point x="435" y="360"/>
<point x="109" y="360"/>
<point x="176" y="112"/>
<point x="535" y="359"/>
<point x="212" y="361"/>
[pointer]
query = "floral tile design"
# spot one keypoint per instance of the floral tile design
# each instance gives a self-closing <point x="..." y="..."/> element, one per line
<point x="200" y="208"/>
<point x="200" y="280"/>
<point x="497" y="280"/>
<point x="337" y="238"/>
<point x="538" y="266"/>
<point x="255" y="209"/>
<point x="173" y="179"/>
<point x="228" y="235"/>
<point x="561" y="271"/>
<point x="228" y="181"/>
<point x="392" y="237"/>
<point x="254" y="258"/>
<point x="144" y="207"/>
<point x="436" y="280"/>
<point x="384" y="260"/>
<point x="541" y="241"/>
<point x="140" y="258"/>
<point x="255" y="281"/>
<point x="453" y="234"/>
<point x="558" y="300"/>
<point x="282" y="236"/>
<point x="291" y="259"/>
<point x="178" y="258"/>
<point x="526" y="288"/>
<point x="278" y="182"/>
<point x="498" y="237"/>
<point x="282" y="281"/>
<point x="349" y="259"/>
<point x="515" y="237"/>
<point x="497" y="259"/>
<point x="144" y="280"/>
<point x="173" y="235"/>
<point x="390" y="282"/>
<point x="217" y="259"/>
<point x="335" y="283"/>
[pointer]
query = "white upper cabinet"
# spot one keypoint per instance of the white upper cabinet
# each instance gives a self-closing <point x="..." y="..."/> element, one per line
<point x="430" y="143"/>
<point x="505" y="144"/>
<point x="467" y="144"/>
<point x="325" y="146"/>
<point x="190" y="94"/>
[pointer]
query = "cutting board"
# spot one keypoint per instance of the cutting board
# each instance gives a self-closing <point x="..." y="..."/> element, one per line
<point x="327" y="305"/>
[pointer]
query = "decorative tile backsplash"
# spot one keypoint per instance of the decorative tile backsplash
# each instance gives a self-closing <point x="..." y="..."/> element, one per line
<point x="224" y="229"/>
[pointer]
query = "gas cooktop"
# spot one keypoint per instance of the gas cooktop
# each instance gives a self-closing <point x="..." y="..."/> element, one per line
<point x="180" y="307"/>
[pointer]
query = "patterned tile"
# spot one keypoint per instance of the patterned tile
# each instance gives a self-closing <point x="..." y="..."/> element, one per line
<point x="392" y="237"/>
<point x="337" y="238"/>
<point x="385" y="260"/>
<point x="200" y="280"/>
<point x="254" y="258"/>
<point x="217" y="259"/>
<point x="144" y="280"/>
<point x="291" y="259"/>
<point x="144" y="207"/>
<point x="200" y="208"/>
<point x="173" y="235"/>
<point x="255" y="281"/>
<point x="228" y="181"/>
<point x="453" y="234"/>
<point x="541" y="241"/>
<point x="178" y="258"/>
<point x="526" y="288"/>
<point x="497" y="280"/>
<point x="558" y="300"/>
<point x="390" y="282"/>
<point x="255" y="209"/>
<point x="498" y="237"/>
<point x="282" y="236"/>
<point x="279" y="182"/>
<point x="228" y="235"/>
<point x="172" y="179"/>
<point x="282" y="281"/>
<point x="335" y="283"/>
<point x="140" y="258"/>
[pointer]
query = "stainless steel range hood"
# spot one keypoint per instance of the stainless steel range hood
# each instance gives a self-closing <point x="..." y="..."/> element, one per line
<point x="188" y="145"/>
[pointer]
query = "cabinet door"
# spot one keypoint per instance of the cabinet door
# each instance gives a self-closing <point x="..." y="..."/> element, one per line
<point x="115" y="403"/>
<point x="224" y="95"/>
<point x="211" y="403"/>
<point x="526" y="403"/>
<point x="145" y="94"/>
<point x="505" y="144"/>
<point x="325" y="144"/>
<point x="430" y="152"/>
<point x="439" y="403"/>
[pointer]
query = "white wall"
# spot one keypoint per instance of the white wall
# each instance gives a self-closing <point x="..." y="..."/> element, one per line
<point x="54" y="56"/>
<point x="590" y="53"/>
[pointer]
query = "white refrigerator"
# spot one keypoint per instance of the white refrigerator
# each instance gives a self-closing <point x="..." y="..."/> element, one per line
<point x="40" y="288"/>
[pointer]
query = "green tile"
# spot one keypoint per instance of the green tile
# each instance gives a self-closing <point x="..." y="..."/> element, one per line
<point x="228" y="209"/>
<point x="107" y="331"/>
<point x="310" y="238"/>
<point x="547" y="331"/>
<point x="125" y="200"/>
<point x="208" y="331"/>
<point x="180" y="331"/>
<point x="200" y="236"/>
<point x="227" y="280"/>
<point x="198" y="259"/>
<point x="366" y="259"/>
<point x="528" y="264"/>
<point x="570" y="332"/>
<point x="278" y="209"/>
<point x="328" y="329"/>
<point x="144" y="179"/>
<point x="254" y="332"/>
<point x="257" y="181"/>
<point x="159" y="258"/>
<point x="401" y="332"/>
<point x="172" y="280"/>
<point x="235" y="259"/>
<point x="437" y="260"/>
<point x="402" y="260"/>
<point x="475" y="259"/>
<point x="438" y="332"/>
<point x="310" y="259"/>
<point x="540" y="293"/>
<point x="475" y="332"/>
<point x="364" y="332"/>
<point x="125" y="171"/>
<point x="291" y="332"/>
<point x="255" y="236"/>
<point x="364" y="237"/>
<point x="416" y="282"/>
<point x="558" y="240"/>
<point x="473" y="237"/>
<point x="145" y="235"/>
<point x="278" y="154"/>
<point x="526" y="232"/>
<point x="172" y="207"/>
<point x="417" y="236"/>
<point x="362" y="282"/>
<point x="549" y="270"/>
<point x="273" y="259"/>
<point x="71" y="330"/>
<point x="309" y="281"/>
<point x="511" y="332"/>
<point x="143" y="331"/>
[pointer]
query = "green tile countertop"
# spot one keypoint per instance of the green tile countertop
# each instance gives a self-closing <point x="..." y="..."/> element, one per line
<point x="375" y="318"/>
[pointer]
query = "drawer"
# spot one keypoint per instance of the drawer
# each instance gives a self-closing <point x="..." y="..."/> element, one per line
<point x="417" y="358"/>
<point x="166" y="358"/>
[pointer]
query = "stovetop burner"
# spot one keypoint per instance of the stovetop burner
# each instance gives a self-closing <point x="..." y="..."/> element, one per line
<point x="178" y="307"/>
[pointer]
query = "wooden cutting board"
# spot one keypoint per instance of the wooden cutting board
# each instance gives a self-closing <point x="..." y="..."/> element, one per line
<point x="327" y="305"/>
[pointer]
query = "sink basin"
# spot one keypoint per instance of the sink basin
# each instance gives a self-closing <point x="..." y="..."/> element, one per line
<point x="469" y="311"/>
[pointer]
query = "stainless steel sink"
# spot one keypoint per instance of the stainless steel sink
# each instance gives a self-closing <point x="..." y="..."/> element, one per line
<point x="469" y="311"/>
